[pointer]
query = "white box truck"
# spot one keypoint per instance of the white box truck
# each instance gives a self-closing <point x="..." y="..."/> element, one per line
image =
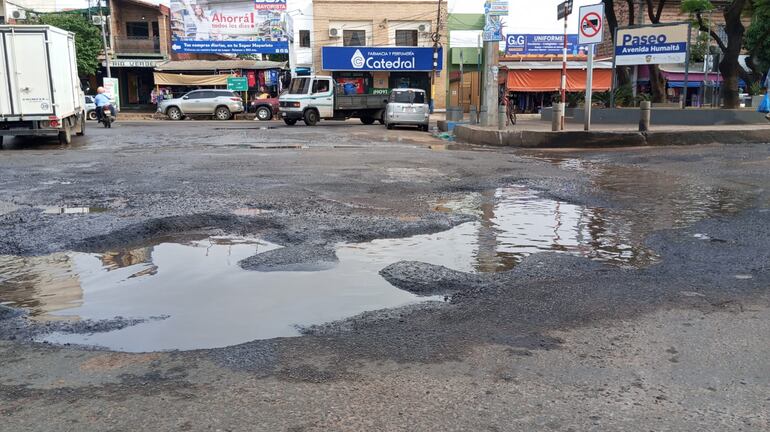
<point x="40" y="90"/>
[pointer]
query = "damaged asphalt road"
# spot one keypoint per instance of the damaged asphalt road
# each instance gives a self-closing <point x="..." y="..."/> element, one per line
<point x="673" y="340"/>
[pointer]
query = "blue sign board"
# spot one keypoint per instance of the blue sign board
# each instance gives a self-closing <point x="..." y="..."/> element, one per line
<point x="391" y="59"/>
<point x="542" y="44"/>
<point x="652" y="44"/>
<point x="230" y="47"/>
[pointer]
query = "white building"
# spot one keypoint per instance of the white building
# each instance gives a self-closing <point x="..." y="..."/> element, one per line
<point x="301" y="56"/>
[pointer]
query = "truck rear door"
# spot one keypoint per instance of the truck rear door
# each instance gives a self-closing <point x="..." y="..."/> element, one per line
<point x="27" y="74"/>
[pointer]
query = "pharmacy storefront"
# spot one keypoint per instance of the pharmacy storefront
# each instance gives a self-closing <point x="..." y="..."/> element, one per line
<point x="376" y="70"/>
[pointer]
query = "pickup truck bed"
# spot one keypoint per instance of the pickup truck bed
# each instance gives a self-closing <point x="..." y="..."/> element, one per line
<point x="359" y="102"/>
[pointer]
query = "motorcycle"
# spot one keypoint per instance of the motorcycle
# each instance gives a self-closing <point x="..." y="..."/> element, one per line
<point x="107" y="118"/>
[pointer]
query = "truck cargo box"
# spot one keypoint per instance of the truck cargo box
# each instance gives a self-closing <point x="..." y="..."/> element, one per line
<point x="38" y="73"/>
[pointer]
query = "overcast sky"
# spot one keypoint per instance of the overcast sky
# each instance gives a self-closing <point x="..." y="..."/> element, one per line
<point x="527" y="16"/>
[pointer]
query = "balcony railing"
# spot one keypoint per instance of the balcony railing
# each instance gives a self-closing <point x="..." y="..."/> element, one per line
<point x="134" y="45"/>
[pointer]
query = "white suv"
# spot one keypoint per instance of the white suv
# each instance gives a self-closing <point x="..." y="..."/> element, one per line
<point x="221" y="104"/>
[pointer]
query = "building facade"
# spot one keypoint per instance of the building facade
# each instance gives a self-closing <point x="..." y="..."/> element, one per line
<point x="381" y="44"/>
<point x="139" y="40"/>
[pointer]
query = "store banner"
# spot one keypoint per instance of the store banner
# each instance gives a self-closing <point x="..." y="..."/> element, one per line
<point x="542" y="44"/>
<point x="229" y="27"/>
<point x="391" y="59"/>
<point x="654" y="44"/>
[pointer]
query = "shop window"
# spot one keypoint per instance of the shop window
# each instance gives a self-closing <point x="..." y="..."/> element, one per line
<point x="138" y="30"/>
<point x="406" y="37"/>
<point x="354" y="37"/>
<point x="304" y="38"/>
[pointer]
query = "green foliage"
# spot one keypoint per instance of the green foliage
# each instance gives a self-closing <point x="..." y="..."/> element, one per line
<point x="575" y="99"/>
<point x="88" y="39"/>
<point x="693" y="6"/>
<point x="624" y="96"/>
<point x="601" y="98"/>
<point x="701" y="47"/>
<point x="643" y="97"/>
<point x="756" y="88"/>
<point x="758" y="34"/>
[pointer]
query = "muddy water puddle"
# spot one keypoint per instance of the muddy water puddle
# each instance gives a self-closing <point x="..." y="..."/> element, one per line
<point x="206" y="299"/>
<point x="515" y="222"/>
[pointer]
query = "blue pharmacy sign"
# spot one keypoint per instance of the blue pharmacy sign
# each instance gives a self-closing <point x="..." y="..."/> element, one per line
<point x="391" y="59"/>
<point x="542" y="44"/>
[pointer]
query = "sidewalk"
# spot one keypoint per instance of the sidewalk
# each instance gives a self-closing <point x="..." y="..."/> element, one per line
<point x="538" y="134"/>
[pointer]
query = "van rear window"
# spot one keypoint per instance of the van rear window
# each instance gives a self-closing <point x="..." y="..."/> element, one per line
<point x="407" y="97"/>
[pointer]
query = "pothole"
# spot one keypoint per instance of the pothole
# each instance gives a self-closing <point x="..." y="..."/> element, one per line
<point x="207" y="300"/>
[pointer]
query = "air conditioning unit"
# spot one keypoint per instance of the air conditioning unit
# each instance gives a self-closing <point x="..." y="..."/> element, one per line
<point x="98" y="20"/>
<point x="19" y="14"/>
<point x="423" y="28"/>
<point x="335" y="32"/>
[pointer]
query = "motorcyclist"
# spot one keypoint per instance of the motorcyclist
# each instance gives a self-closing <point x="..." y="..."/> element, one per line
<point x="101" y="100"/>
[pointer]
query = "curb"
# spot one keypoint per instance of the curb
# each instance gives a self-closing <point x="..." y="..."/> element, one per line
<point x="606" y="139"/>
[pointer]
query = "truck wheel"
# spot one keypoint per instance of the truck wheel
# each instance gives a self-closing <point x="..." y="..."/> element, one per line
<point x="264" y="113"/>
<point x="1" y="141"/>
<point x="65" y="136"/>
<point x="92" y="115"/>
<point x="82" y="130"/>
<point x="367" y="120"/>
<point x="223" y="113"/>
<point x="290" y="122"/>
<point x="174" y="113"/>
<point x="311" y="117"/>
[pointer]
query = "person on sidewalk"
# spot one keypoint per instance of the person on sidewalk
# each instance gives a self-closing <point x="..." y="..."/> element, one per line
<point x="767" y="91"/>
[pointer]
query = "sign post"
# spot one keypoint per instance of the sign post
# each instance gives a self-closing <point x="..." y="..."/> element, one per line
<point x="237" y="83"/>
<point x="591" y="32"/>
<point x="563" y="11"/>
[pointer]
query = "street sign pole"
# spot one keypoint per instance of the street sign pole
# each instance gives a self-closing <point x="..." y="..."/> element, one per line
<point x="564" y="74"/>
<point x="564" y="11"/>
<point x="589" y="87"/>
<point x="590" y="33"/>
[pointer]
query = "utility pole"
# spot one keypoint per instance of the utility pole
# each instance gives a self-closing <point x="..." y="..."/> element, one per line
<point x="104" y="41"/>
<point x="492" y="37"/>
<point x="436" y="39"/>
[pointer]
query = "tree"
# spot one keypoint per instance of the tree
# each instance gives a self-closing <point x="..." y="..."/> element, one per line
<point x="623" y="74"/>
<point x="88" y="39"/>
<point x="757" y="41"/>
<point x="729" y="67"/>
<point x="657" y="81"/>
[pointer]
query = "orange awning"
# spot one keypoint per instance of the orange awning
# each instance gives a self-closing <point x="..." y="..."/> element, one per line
<point x="548" y="80"/>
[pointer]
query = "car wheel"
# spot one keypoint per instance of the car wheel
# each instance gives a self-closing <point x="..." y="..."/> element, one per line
<point x="389" y="126"/>
<point x="174" y="113"/>
<point x="223" y="113"/>
<point x="367" y="120"/>
<point x="311" y="117"/>
<point x="264" y="113"/>
<point x="290" y="122"/>
<point x="91" y="115"/>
